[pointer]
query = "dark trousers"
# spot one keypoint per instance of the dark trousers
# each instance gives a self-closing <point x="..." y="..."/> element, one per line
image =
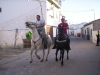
<point x="98" y="41"/>
<point x="68" y="38"/>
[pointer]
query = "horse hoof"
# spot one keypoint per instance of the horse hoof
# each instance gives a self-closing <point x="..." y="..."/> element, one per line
<point x="59" y="59"/>
<point x="30" y="61"/>
<point x="46" y="60"/>
<point x="56" y="59"/>
<point x="67" y="58"/>
<point x="61" y="64"/>
<point x="38" y="57"/>
<point x="41" y="60"/>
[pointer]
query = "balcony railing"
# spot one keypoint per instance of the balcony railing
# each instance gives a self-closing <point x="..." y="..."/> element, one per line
<point x="55" y="3"/>
<point x="58" y="1"/>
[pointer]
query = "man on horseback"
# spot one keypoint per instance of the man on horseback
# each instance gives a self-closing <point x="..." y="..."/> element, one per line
<point x="65" y="26"/>
<point x="41" y="28"/>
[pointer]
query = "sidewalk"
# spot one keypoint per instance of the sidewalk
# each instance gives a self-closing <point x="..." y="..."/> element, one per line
<point x="8" y="53"/>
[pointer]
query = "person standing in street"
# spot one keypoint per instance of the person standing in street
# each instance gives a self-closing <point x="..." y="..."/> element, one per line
<point x="98" y="38"/>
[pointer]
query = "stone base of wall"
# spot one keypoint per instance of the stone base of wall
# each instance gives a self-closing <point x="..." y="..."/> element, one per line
<point x="11" y="39"/>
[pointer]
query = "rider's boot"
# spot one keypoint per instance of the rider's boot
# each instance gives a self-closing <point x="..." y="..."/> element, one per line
<point x="69" y="45"/>
<point x="54" y="47"/>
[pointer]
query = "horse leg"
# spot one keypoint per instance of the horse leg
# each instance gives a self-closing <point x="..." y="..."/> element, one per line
<point x="43" y="56"/>
<point x="36" y="54"/>
<point x="67" y="54"/>
<point x="48" y="54"/>
<point x="32" y="49"/>
<point x="56" y="54"/>
<point x="62" y="57"/>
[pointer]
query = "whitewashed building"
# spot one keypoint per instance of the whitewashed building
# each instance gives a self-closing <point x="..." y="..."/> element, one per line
<point x="75" y="29"/>
<point x="89" y="30"/>
<point x="14" y="14"/>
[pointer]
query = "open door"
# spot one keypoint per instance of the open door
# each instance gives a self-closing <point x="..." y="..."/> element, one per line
<point x="49" y="31"/>
<point x="88" y="34"/>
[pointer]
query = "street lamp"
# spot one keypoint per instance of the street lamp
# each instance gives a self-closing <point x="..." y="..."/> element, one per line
<point x="93" y="13"/>
<point x="94" y="17"/>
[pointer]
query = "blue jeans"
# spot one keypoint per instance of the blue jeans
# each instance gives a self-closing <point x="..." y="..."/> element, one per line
<point x="68" y="38"/>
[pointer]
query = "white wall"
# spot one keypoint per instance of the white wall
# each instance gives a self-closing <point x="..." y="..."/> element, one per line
<point x="85" y="28"/>
<point x="94" y="36"/>
<point x="53" y="12"/>
<point x="14" y="15"/>
<point x="55" y="19"/>
<point x="16" y="12"/>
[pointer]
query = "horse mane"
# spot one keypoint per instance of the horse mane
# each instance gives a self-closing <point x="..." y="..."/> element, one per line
<point x="61" y="36"/>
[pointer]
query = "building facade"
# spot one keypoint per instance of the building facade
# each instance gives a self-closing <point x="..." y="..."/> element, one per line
<point x="89" y="30"/>
<point x="14" y="14"/>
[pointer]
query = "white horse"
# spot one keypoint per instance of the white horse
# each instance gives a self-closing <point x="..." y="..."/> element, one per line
<point x="36" y="42"/>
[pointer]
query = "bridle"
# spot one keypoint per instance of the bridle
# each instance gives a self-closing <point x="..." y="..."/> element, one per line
<point x="38" y="33"/>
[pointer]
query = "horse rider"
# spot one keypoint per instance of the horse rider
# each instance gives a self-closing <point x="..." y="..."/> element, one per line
<point x="98" y="38"/>
<point x="41" y="27"/>
<point x="65" y="26"/>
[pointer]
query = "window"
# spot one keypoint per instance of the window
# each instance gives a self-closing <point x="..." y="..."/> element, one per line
<point x="85" y="32"/>
<point x="91" y="32"/>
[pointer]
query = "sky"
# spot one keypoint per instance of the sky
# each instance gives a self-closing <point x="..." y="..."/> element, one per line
<point x="78" y="11"/>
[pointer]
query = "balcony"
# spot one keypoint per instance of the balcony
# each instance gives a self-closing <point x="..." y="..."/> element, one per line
<point x="59" y="2"/>
<point x="56" y="3"/>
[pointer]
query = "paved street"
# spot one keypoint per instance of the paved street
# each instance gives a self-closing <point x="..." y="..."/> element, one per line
<point x="84" y="59"/>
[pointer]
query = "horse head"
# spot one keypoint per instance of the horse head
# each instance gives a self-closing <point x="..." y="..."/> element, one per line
<point x="61" y="36"/>
<point x="60" y="29"/>
<point x="30" y="24"/>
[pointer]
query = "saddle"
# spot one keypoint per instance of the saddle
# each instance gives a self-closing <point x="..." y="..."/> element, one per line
<point x="64" y="37"/>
